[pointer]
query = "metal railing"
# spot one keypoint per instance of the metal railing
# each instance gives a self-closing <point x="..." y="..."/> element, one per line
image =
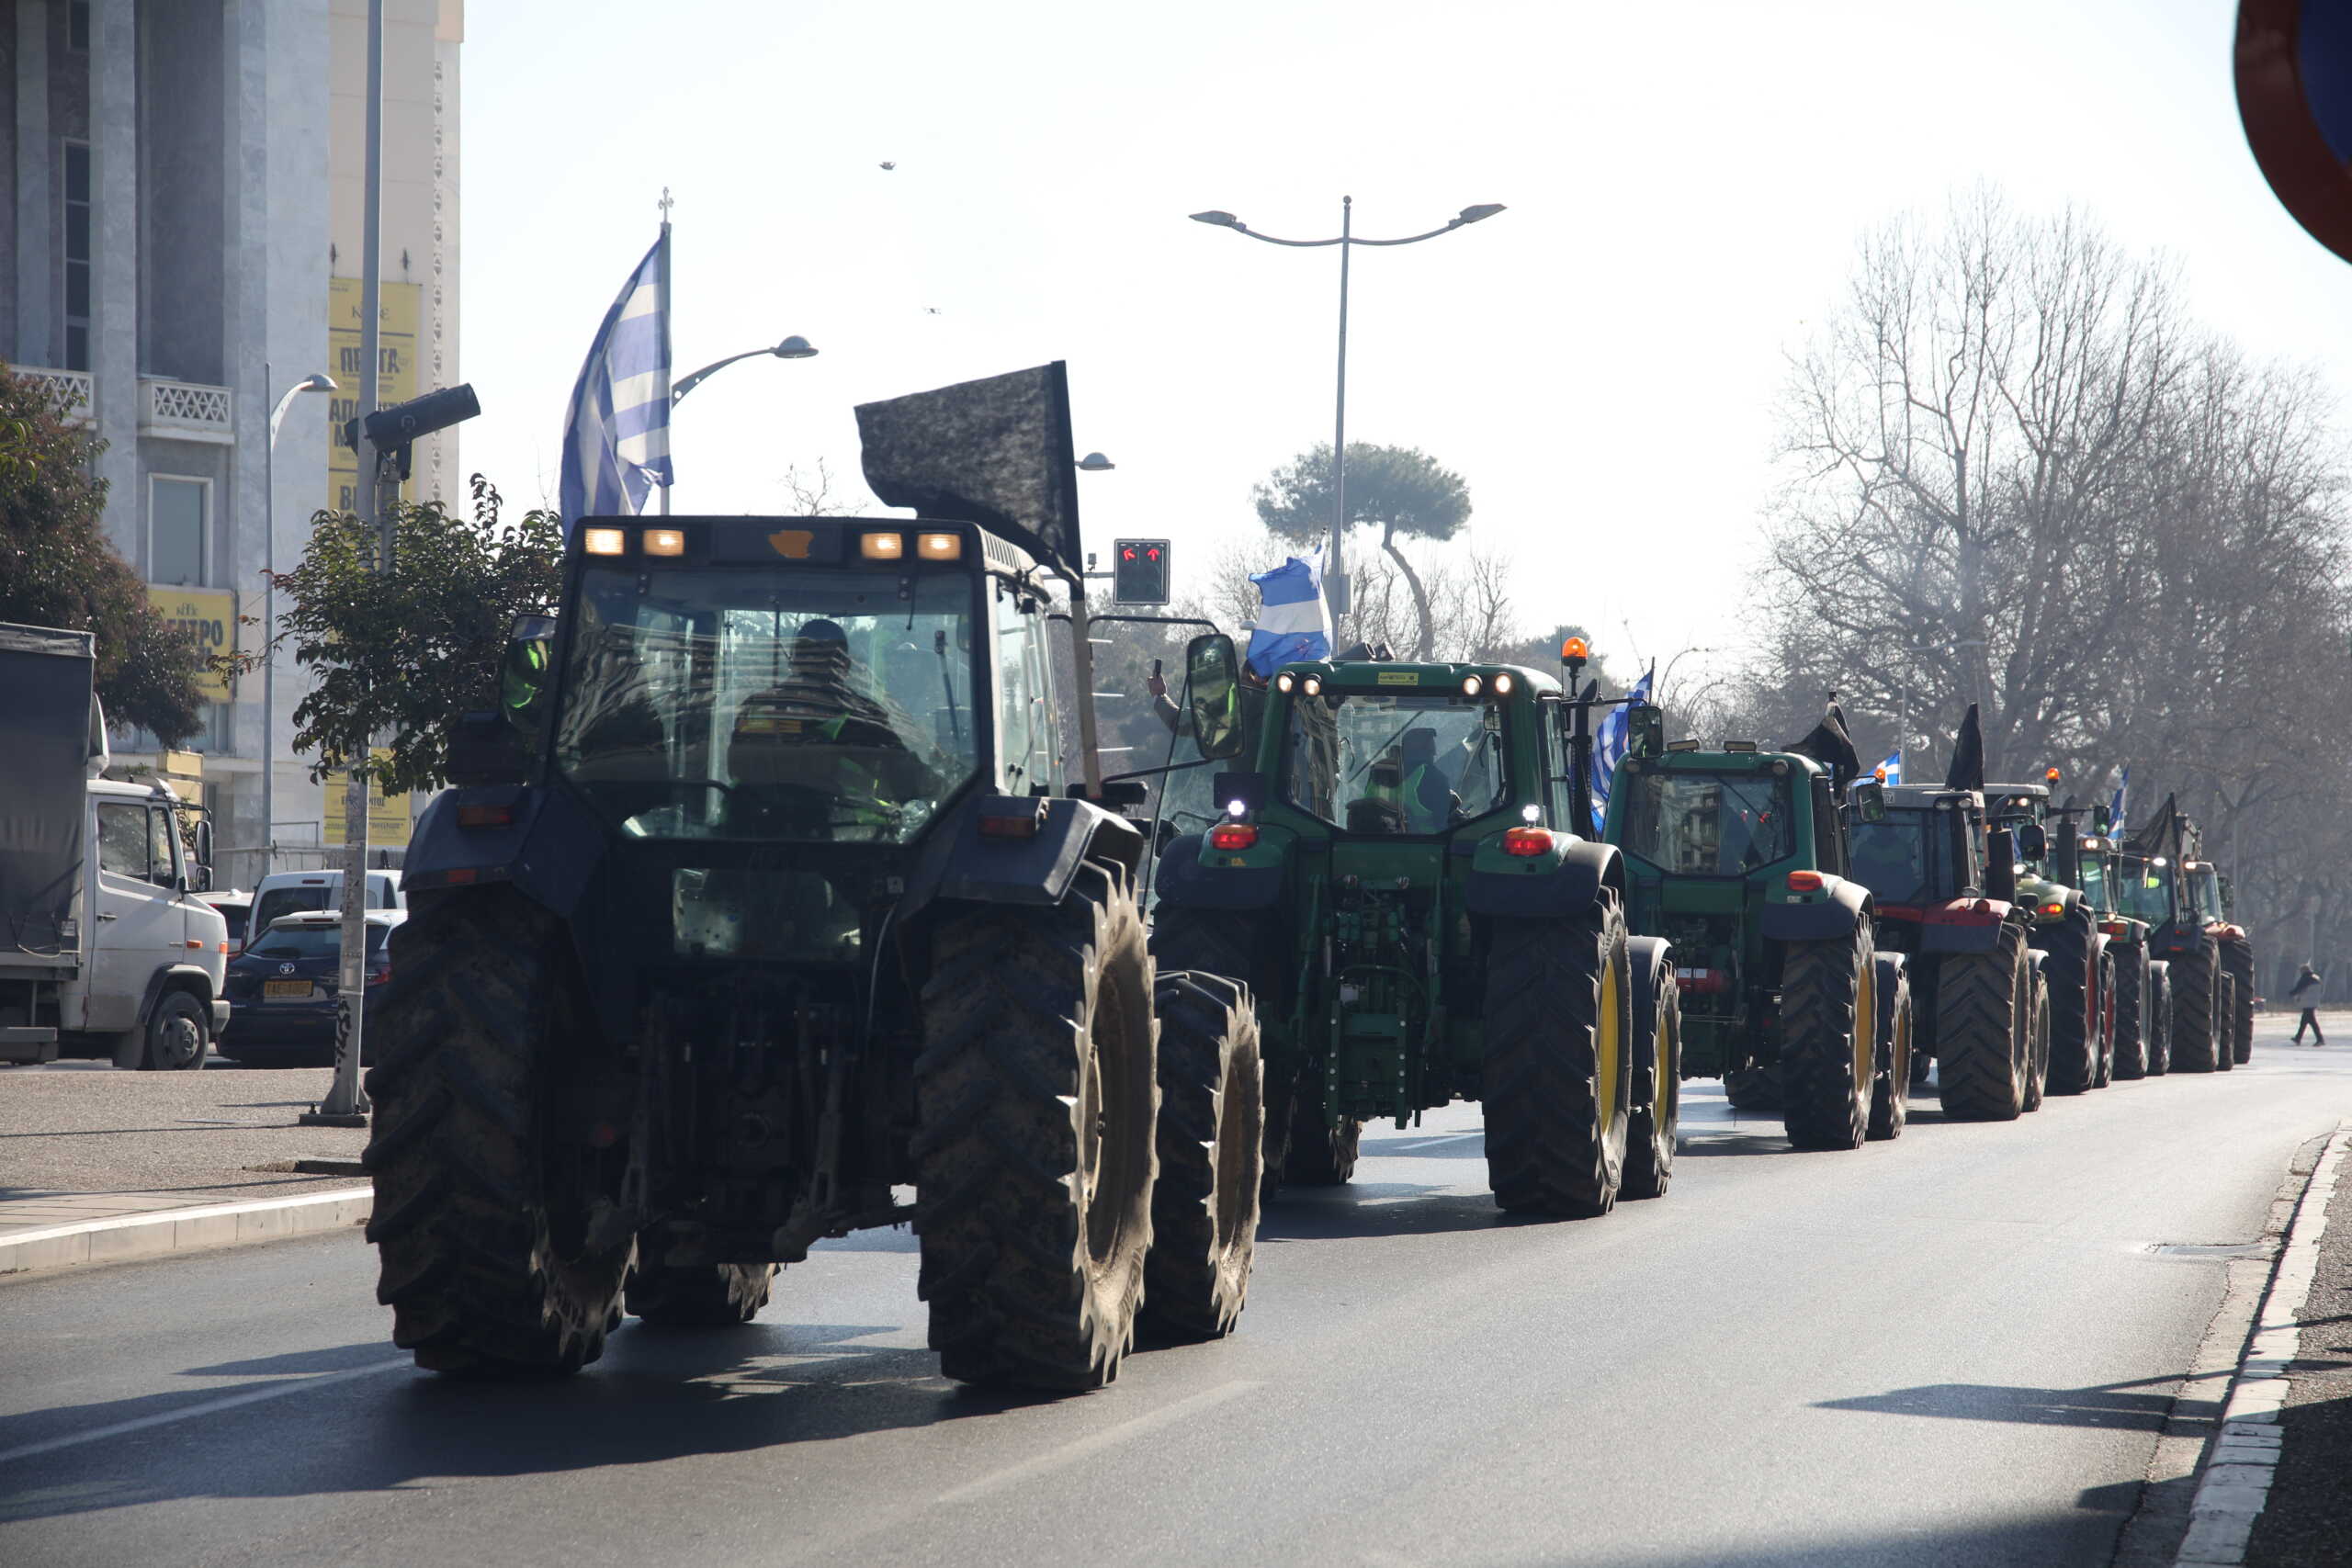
<point x="188" y="409"/>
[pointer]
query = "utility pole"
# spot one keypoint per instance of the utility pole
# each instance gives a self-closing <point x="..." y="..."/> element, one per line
<point x="346" y="1102"/>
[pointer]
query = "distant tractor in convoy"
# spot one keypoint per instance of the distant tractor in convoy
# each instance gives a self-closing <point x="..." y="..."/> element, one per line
<point x="2066" y="931"/>
<point x="2190" y="940"/>
<point x="1400" y="880"/>
<point x="758" y="901"/>
<point x="1737" y="856"/>
<point x="2141" y="888"/>
<point x="2208" y="892"/>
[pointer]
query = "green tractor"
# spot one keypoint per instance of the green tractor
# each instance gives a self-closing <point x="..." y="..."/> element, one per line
<point x="2140" y="890"/>
<point x="1738" y="857"/>
<point x="1398" y="878"/>
<point x="2195" y="941"/>
<point x="2065" y="931"/>
<point x="2211" y="896"/>
<point x="759" y="904"/>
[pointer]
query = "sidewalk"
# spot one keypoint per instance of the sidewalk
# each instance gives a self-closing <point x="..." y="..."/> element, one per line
<point x="96" y="1163"/>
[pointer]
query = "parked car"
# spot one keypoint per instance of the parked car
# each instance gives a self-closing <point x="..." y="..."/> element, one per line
<point x="282" y="988"/>
<point x="291" y="892"/>
<point x="236" y="907"/>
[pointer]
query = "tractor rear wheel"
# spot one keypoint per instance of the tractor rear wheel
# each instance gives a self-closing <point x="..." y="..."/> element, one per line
<point x="2068" y="969"/>
<point x="1985" y="1030"/>
<point x="1657" y="1098"/>
<point x="2130" y="1012"/>
<point x="1891" y="1091"/>
<point x="1036" y="1108"/>
<point x="1829" y="1040"/>
<point x="1557" y="1083"/>
<point x="2156" y="1018"/>
<point x="707" y="1295"/>
<point x="2237" y="958"/>
<point x="2106" y="1075"/>
<point x="501" y="1253"/>
<point x="2196" y="1020"/>
<point x="2225" y="1002"/>
<point x="2037" y="1082"/>
<point x="1212" y="1157"/>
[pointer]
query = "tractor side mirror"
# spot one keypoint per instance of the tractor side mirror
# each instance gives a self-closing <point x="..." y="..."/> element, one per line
<point x="1869" y="799"/>
<point x="2001" y="865"/>
<point x="524" y="676"/>
<point x="2033" y="843"/>
<point x="1644" y="729"/>
<point x="202" y="875"/>
<point x="1213" y="692"/>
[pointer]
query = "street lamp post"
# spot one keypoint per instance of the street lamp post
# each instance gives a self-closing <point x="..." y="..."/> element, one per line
<point x="1335" y="576"/>
<point x="322" y="382"/>
<point x="793" y="347"/>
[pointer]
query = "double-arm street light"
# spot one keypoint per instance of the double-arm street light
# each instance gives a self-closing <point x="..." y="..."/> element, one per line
<point x="793" y="347"/>
<point x="1335" y="577"/>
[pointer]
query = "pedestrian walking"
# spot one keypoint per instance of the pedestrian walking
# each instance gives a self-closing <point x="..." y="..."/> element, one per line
<point x="2305" y="994"/>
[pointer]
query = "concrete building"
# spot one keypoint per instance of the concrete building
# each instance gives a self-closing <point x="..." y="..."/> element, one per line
<point x="183" y="183"/>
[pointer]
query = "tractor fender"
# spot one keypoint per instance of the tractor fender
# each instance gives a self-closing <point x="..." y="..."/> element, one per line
<point x="542" y="840"/>
<point x="1833" y="911"/>
<point x="1036" y="869"/>
<point x="1566" y="884"/>
<point x="1959" y="926"/>
<point x="1183" y="883"/>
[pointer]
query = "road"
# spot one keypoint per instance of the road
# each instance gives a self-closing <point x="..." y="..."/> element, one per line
<point x="1957" y="1348"/>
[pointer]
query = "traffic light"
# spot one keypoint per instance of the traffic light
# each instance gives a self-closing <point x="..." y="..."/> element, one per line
<point x="1139" y="571"/>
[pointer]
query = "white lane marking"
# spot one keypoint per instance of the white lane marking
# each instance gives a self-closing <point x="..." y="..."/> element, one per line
<point x="191" y="1412"/>
<point x="1091" y="1443"/>
<point x="1425" y="1143"/>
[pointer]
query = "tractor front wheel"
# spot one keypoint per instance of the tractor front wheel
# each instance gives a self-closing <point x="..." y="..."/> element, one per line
<point x="2237" y="959"/>
<point x="1829" y="1024"/>
<point x="2131" y="1013"/>
<point x="2070" y="970"/>
<point x="1657" y="1099"/>
<point x="1037" y="1107"/>
<point x="1212" y="1157"/>
<point x="1891" y="1091"/>
<point x="1557" y="1083"/>
<point x="2195" y="1020"/>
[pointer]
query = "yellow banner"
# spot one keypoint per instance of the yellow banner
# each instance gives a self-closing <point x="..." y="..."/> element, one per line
<point x="389" y="821"/>
<point x="210" y="615"/>
<point x="402" y="309"/>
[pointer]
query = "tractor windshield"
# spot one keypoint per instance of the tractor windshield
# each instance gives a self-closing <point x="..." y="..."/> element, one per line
<point x="1897" y="859"/>
<point x="2144" y="891"/>
<point x="1710" y="824"/>
<point x="2090" y="875"/>
<point x="2205" y="892"/>
<point x="809" y="704"/>
<point x="1392" y="763"/>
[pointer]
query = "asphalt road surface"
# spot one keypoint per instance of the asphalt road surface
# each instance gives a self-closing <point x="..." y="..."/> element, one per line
<point x="1957" y="1348"/>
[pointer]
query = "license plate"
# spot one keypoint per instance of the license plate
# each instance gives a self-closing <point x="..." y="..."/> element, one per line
<point x="292" y="990"/>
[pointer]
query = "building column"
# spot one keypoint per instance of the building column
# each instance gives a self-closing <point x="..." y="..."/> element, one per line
<point x="114" y="305"/>
<point x="36" y="164"/>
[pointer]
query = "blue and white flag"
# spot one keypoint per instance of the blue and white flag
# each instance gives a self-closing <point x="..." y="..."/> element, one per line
<point x="617" y="435"/>
<point x="2115" y="806"/>
<point x="1291" y="623"/>
<point x="1890" y="770"/>
<point x="1609" y="748"/>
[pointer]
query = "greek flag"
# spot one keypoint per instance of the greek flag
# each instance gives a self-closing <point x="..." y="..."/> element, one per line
<point x="1609" y="748"/>
<point x="1291" y="624"/>
<point x="2115" y="806"/>
<point x="1890" y="770"/>
<point x="617" y="437"/>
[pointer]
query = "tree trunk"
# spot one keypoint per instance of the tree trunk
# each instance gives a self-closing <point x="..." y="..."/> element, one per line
<point x="1428" y="635"/>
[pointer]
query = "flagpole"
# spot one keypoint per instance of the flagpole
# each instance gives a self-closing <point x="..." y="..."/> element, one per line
<point x="661" y="305"/>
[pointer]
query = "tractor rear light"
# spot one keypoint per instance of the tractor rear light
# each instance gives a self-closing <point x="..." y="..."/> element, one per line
<point x="2113" y="927"/>
<point x="485" y="816"/>
<point x="2055" y="907"/>
<point x="1233" y="835"/>
<point x="603" y="541"/>
<point x="882" y="547"/>
<point x="1805" y="882"/>
<point x="1008" y="825"/>
<point x="1527" y="841"/>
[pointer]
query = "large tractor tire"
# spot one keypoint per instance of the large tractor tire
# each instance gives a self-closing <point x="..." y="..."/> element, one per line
<point x="2070" y="969"/>
<point x="2195" y="1020"/>
<point x="708" y="1295"/>
<point x="2107" y="962"/>
<point x="2037" y="1082"/>
<point x="1239" y="947"/>
<point x="1557" y="1084"/>
<point x="1891" y="1091"/>
<point x="1212" y="1157"/>
<point x="1985" y="1031"/>
<point x="2130" y="1012"/>
<point x="2238" y="961"/>
<point x="501" y="1253"/>
<point x="1036" y="1108"/>
<point x="1829" y="1040"/>
<point x="2156" y="1018"/>
<point x="1657" y="1098"/>
<point x="2225" y="1000"/>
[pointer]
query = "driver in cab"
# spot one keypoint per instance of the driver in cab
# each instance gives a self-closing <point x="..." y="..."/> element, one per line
<point x="814" y="750"/>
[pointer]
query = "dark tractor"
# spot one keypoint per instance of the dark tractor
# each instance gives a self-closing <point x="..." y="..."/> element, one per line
<point x="2190" y="941"/>
<point x="1738" y="857"/>
<point x="2140" y="889"/>
<point x="757" y="903"/>
<point x="2065" y="931"/>
<point x="2209" y="893"/>
<point x="1944" y="896"/>
<point x="1399" y="880"/>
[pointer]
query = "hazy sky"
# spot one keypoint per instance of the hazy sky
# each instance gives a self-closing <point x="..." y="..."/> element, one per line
<point x="1685" y="185"/>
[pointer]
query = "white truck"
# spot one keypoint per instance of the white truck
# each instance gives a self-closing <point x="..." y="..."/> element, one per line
<point x="104" y="947"/>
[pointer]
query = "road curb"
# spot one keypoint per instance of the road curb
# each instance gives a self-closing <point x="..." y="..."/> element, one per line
<point x="2236" y="1480"/>
<point x="182" y="1230"/>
